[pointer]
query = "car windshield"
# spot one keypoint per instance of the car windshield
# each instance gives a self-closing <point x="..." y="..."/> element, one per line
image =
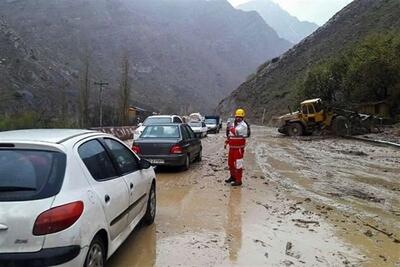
<point x="211" y="121"/>
<point x="195" y="124"/>
<point x="160" y="131"/>
<point x="30" y="174"/>
<point x="156" y="120"/>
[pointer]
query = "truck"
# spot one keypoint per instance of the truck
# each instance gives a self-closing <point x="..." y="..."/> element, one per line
<point x="214" y="123"/>
<point x="314" y="117"/>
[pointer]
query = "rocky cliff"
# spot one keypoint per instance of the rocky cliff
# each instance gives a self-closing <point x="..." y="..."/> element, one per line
<point x="275" y="84"/>
<point x="183" y="53"/>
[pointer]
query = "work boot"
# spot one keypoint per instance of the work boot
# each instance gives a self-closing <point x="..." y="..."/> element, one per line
<point x="230" y="180"/>
<point x="236" y="184"/>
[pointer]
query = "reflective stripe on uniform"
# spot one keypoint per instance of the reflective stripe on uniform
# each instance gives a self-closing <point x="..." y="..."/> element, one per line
<point x="237" y="146"/>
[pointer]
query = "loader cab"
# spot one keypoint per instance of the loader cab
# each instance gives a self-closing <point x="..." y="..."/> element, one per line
<point x="312" y="111"/>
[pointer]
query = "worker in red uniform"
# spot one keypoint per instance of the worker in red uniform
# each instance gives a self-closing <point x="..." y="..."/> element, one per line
<point x="236" y="139"/>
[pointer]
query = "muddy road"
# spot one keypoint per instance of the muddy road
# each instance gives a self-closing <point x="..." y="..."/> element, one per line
<point x="304" y="202"/>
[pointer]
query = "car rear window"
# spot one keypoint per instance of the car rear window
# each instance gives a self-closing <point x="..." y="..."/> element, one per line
<point x="155" y="120"/>
<point x="30" y="174"/>
<point x="211" y="121"/>
<point x="159" y="131"/>
<point x="195" y="124"/>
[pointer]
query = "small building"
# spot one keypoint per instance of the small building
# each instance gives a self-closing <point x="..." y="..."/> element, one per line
<point x="378" y="108"/>
<point x="137" y="115"/>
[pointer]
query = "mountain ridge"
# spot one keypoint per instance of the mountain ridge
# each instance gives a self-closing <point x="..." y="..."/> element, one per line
<point x="286" y="25"/>
<point x="274" y="86"/>
<point x="181" y="52"/>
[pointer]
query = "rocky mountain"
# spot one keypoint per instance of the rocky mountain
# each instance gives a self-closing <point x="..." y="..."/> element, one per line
<point x="182" y="52"/>
<point x="275" y="84"/>
<point x="286" y="25"/>
<point x="26" y="77"/>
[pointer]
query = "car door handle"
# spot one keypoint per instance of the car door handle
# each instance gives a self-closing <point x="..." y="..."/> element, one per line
<point x="131" y="185"/>
<point x="107" y="198"/>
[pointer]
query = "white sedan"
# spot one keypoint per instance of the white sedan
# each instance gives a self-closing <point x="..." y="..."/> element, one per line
<point x="199" y="128"/>
<point x="154" y="120"/>
<point x="69" y="197"/>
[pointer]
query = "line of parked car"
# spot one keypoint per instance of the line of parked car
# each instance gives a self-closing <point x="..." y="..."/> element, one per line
<point x="166" y="140"/>
<point x="72" y="197"/>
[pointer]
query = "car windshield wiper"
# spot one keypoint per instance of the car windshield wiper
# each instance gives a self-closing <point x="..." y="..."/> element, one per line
<point x="16" y="188"/>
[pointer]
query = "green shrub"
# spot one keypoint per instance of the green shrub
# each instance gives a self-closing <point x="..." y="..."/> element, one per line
<point x="368" y="71"/>
<point x="32" y="119"/>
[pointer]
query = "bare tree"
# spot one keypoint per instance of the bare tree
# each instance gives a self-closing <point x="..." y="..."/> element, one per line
<point x="84" y="90"/>
<point x="125" y="91"/>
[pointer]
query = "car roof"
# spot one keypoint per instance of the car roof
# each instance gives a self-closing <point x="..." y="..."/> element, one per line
<point x="55" y="136"/>
<point x="165" y="124"/>
<point x="163" y="116"/>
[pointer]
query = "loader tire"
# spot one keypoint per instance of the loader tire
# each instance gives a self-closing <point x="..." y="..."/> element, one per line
<point x="295" y="129"/>
<point x="340" y="126"/>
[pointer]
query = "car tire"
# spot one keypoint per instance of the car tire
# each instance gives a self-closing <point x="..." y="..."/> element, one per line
<point x="186" y="166"/>
<point x="151" y="209"/>
<point x="96" y="254"/>
<point x="200" y="156"/>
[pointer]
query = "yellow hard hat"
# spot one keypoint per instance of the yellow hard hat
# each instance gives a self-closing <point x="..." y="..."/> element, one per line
<point x="240" y="113"/>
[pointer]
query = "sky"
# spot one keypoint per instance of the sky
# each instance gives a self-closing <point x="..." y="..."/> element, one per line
<point x="318" y="11"/>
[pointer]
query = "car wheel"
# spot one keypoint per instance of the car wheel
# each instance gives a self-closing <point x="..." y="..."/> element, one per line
<point x="96" y="256"/>
<point x="150" y="214"/>
<point x="187" y="163"/>
<point x="200" y="156"/>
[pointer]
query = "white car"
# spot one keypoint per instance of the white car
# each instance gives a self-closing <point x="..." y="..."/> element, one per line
<point x="196" y="117"/>
<point x="158" y="119"/>
<point x="199" y="128"/>
<point x="69" y="197"/>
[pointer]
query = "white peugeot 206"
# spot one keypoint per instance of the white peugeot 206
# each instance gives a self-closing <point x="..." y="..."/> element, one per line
<point x="69" y="197"/>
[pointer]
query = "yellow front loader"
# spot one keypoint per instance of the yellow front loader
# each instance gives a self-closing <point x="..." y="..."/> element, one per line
<point x="315" y="117"/>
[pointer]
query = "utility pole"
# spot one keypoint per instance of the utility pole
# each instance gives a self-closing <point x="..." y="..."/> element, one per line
<point x="263" y="116"/>
<point x="101" y="85"/>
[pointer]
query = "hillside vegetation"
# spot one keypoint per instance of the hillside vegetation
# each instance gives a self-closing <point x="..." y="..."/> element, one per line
<point x="367" y="72"/>
<point x="276" y="84"/>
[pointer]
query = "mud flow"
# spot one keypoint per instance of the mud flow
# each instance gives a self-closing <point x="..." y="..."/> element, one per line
<point x="305" y="202"/>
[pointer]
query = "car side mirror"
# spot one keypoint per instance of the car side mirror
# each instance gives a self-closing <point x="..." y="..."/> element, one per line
<point x="144" y="164"/>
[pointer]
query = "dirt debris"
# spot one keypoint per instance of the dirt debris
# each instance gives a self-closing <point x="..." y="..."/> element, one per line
<point x="353" y="152"/>
<point x="316" y="223"/>
<point x="299" y="206"/>
<point x="369" y="233"/>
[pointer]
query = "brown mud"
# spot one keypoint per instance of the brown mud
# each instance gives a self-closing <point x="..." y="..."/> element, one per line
<point x="304" y="202"/>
